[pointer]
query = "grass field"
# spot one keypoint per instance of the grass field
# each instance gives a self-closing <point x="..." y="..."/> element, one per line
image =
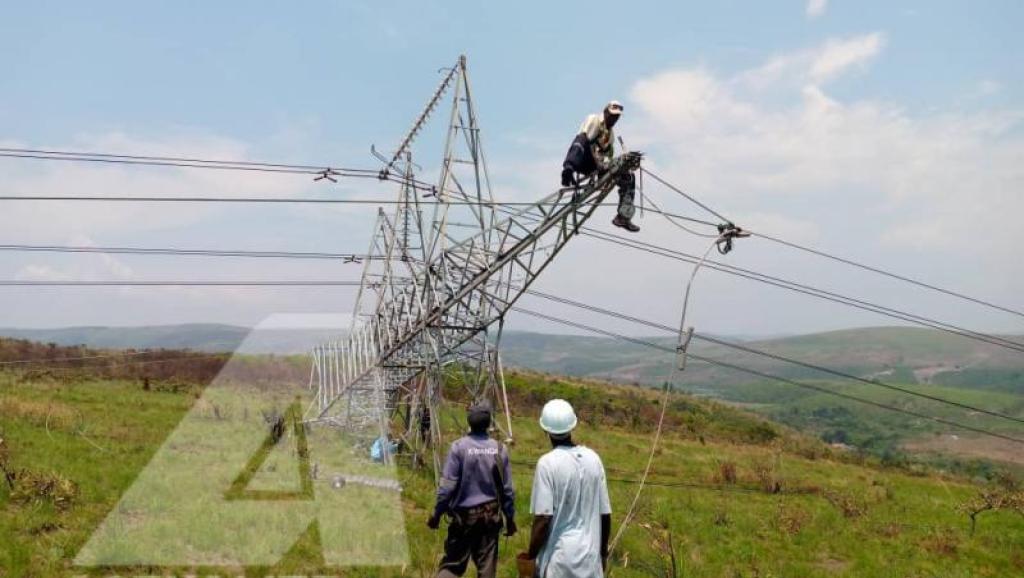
<point x="731" y="495"/>
<point x="923" y="361"/>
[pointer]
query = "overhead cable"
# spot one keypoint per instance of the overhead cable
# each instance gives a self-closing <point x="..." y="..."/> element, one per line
<point x="775" y="356"/>
<point x="772" y="377"/>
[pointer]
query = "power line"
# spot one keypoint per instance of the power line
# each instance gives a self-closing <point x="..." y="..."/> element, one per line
<point x="687" y="196"/>
<point x="769" y="376"/>
<point x="804" y="289"/>
<point x="777" y="357"/>
<point x="178" y="283"/>
<point x="889" y="274"/>
<point x="834" y="297"/>
<point x="672" y="219"/>
<point x="619" y="240"/>
<point x="820" y="253"/>
<point x="321" y="172"/>
<point x="351" y="257"/>
<point x="273" y="200"/>
<point x="532" y="292"/>
<point x="608" y="237"/>
<point x="298" y="200"/>
<point x="88" y="156"/>
<point x="327" y="170"/>
<point x="790" y="285"/>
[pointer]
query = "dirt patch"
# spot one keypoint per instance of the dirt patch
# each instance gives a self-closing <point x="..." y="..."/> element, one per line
<point x="926" y="374"/>
<point x="974" y="447"/>
<point x="832" y="565"/>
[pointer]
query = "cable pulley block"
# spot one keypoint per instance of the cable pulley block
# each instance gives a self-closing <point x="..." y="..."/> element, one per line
<point x="726" y="233"/>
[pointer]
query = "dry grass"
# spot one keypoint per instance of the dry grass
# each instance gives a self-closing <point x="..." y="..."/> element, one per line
<point x="726" y="473"/>
<point x="36" y="487"/>
<point x="970" y="447"/>
<point x="791" y="519"/>
<point x="50" y="414"/>
<point x="850" y="504"/>
<point x="766" y="474"/>
<point x="944" y="543"/>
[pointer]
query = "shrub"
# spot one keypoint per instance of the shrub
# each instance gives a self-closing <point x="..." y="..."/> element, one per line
<point x="852" y="506"/>
<point x="34" y="487"/>
<point x="5" y="463"/>
<point x="1000" y="497"/>
<point x="767" y="477"/>
<point x="943" y="542"/>
<point x="726" y="473"/>
<point x="791" y="520"/>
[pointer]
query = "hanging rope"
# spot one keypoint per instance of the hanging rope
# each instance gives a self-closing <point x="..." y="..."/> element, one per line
<point x="682" y="344"/>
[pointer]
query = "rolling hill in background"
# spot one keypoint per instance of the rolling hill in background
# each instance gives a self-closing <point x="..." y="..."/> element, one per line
<point x="196" y="336"/>
<point x="907" y="355"/>
<point x="923" y="361"/>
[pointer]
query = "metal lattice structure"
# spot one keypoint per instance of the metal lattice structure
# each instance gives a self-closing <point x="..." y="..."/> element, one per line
<point x="433" y="299"/>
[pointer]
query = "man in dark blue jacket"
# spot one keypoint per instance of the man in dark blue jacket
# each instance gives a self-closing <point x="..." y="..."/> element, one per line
<point x="476" y="490"/>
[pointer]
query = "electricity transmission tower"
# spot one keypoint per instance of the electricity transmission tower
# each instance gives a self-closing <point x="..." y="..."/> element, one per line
<point x="435" y="289"/>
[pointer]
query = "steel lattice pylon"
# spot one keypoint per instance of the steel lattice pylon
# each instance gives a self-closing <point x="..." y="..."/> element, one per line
<point x="433" y="300"/>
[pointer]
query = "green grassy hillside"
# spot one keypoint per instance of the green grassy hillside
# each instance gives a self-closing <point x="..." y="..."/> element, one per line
<point x="731" y="495"/>
<point x="898" y="353"/>
<point x="925" y="361"/>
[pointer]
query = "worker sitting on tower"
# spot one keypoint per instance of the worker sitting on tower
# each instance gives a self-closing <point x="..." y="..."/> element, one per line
<point x="592" y="152"/>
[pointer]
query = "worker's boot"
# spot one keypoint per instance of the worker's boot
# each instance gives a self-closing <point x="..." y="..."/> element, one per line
<point x="625" y="223"/>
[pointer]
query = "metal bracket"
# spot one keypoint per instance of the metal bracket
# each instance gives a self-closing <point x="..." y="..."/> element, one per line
<point x="681" y="348"/>
<point x="328" y="174"/>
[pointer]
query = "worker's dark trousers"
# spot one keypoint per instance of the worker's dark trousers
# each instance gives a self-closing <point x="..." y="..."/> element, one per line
<point x="627" y="192"/>
<point x="472" y="533"/>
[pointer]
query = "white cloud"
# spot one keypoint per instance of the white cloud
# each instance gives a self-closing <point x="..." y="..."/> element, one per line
<point x="817" y="65"/>
<point x="771" y="147"/>
<point x="816" y="8"/>
<point x="839" y="55"/>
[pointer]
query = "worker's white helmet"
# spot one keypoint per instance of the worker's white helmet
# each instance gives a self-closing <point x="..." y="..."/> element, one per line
<point x="614" y="107"/>
<point x="557" y="417"/>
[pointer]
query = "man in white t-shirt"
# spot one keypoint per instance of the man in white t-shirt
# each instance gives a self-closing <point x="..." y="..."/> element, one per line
<point x="570" y="505"/>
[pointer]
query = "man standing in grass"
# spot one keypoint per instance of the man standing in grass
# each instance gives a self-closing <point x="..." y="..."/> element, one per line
<point x="570" y="505"/>
<point x="475" y="491"/>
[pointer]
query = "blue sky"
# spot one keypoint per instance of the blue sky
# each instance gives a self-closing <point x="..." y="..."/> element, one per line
<point x="860" y="127"/>
<point x="246" y="69"/>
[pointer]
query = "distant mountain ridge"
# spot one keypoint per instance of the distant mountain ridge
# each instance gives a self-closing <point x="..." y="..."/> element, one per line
<point x="905" y="354"/>
<point x="196" y="336"/>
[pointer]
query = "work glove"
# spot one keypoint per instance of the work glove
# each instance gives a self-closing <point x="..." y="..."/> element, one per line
<point x="568" y="178"/>
<point x="434" y="522"/>
<point x="510" y="527"/>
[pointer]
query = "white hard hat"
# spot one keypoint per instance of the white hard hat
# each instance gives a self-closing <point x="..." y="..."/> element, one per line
<point x="614" y="107"/>
<point x="557" y="417"/>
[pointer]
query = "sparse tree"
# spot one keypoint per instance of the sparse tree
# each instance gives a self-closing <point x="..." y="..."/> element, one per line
<point x="1004" y="495"/>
